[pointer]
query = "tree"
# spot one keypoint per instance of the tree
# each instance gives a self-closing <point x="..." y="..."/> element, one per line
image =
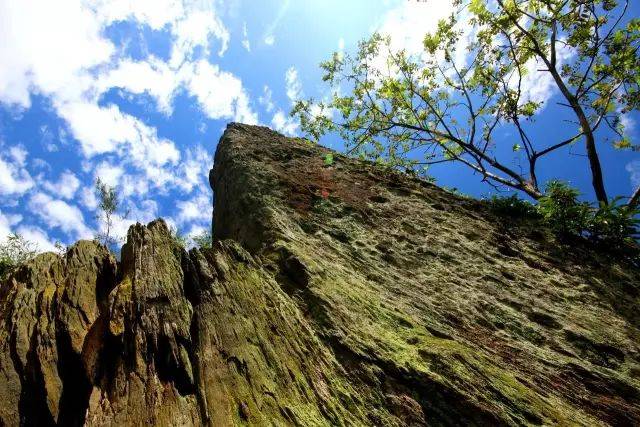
<point x="108" y="206"/>
<point x="15" y="251"/>
<point x="203" y="240"/>
<point x="417" y="110"/>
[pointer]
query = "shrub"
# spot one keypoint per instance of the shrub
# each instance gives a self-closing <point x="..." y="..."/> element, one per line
<point x="203" y="240"/>
<point x="615" y="224"/>
<point x="15" y="251"/>
<point x="177" y="237"/>
<point x="562" y="211"/>
<point x="512" y="206"/>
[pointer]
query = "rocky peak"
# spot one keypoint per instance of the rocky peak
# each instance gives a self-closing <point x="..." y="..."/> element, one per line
<point x="336" y="293"/>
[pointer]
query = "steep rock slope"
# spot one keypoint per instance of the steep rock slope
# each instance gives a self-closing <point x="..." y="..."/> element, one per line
<point x="337" y="293"/>
<point x="441" y="309"/>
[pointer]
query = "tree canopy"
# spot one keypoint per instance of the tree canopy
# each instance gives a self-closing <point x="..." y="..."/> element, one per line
<point x="446" y="103"/>
<point x="109" y="205"/>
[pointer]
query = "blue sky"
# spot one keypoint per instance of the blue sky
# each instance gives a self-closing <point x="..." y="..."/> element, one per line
<point x="138" y="93"/>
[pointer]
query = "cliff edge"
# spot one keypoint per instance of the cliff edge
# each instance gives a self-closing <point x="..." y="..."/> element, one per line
<point x="336" y="293"/>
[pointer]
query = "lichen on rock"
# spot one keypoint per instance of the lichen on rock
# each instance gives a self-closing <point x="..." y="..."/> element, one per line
<point x="335" y="293"/>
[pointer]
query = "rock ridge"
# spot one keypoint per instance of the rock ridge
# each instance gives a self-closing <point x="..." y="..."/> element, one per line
<point x="334" y="294"/>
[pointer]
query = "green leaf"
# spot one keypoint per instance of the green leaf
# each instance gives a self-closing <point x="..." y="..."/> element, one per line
<point x="624" y="143"/>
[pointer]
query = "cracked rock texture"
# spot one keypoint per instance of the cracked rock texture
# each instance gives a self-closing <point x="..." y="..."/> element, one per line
<point x="340" y="294"/>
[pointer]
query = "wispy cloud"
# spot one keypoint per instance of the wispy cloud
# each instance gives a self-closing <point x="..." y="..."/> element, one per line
<point x="7" y="221"/>
<point x="269" y="37"/>
<point x="37" y="236"/>
<point x="266" y="99"/>
<point x="293" y="85"/>
<point x="57" y="213"/>
<point x="14" y="177"/>
<point x="65" y="187"/>
<point x="245" y="37"/>
<point x="634" y="173"/>
<point x="132" y="155"/>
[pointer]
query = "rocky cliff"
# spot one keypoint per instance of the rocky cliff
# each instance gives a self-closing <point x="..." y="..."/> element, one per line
<point x="336" y="293"/>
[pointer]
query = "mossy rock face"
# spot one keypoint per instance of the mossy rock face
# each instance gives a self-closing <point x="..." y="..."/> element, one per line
<point x="336" y="293"/>
<point x="473" y="317"/>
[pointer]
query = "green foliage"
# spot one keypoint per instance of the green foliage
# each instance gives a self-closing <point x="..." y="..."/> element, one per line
<point x="178" y="238"/>
<point x="109" y="205"/>
<point x="401" y="106"/>
<point x="562" y="211"/>
<point x="512" y="206"/>
<point x="107" y="197"/>
<point x="61" y="248"/>
<point x="15" y="251"/>
<point x="328" y="159"/>
<point x="203" y="240"/>
<point x="614" y="224"/>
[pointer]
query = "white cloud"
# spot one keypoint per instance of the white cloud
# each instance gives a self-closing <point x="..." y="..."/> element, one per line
<point x="197" y="209"/>
<point x="66" y="186"/>
<point x="7" y="221"/>
<point x="99" y="129"/>
<point x="245" y="37"/>
<point x="192" y="23"/>
<point x="539" y="86"/>
<point x="61" y="52"/>
<point x="197" y="230"/>
<point x="155" y="13"/>
<point x="47" y="139"/>
<point x="46" y="51"/>
<point x="408" y="23"/>
<point x="151" y="76"/>
<point x="15" y="180"/>
<point x="134" y="185"/>
<point x="59" y="214"/>
<point x="108" y="173"/>
<point x="41" y="164"/>
<point x="194" y="30"/>
<point x="37" y="236"/>
<point x="18" y="154"/>
<point x="284" y="123"/>
<point x="293" y="85"/>
<point x="88" y="198"/>
<point x="194" y="231"/>
<point x="194" y="170"/>
<point x="266" y="99"/>
<point x="107" y="129"/>
<point x="219" y="93"/>
<point x="628" y="123"/>
<point x="634" y="173"/>
<point x="269" y="38"/>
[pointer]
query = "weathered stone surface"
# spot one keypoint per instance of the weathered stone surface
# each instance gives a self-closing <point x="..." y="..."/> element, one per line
<point x="145" y="373"/>
<point x="50" y="307"/>
<point x="446" y="312"/>
<point x="337" y="294"/>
